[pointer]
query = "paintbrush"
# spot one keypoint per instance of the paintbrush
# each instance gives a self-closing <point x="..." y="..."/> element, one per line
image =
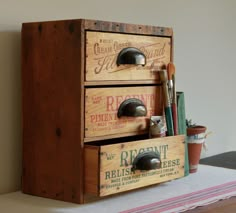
<point x="171" y="70"/>
<point x="168" y="113"/>
<point x="170" y="81"/>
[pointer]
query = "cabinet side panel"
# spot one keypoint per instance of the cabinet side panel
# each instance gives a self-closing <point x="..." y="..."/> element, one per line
<point x="52" y="86"/>
<point x="91" y="168"/>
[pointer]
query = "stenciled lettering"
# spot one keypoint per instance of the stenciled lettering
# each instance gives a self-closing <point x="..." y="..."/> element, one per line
<point x="170" y="163"/>
<point x="127" y="157"/>
<point x="105" y="63"/>
<point x="107" y="55"/>
<point x="118" y="173"/>
<point x="119" y="46"/>
<point x="151" y="53"/>
<point x="113" y="102"/>
<point x="101" y="117"/>
<point x="98" y="49"/>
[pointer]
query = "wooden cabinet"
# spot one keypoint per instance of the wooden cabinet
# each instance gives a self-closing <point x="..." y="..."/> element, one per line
<point x="72" y="91"/>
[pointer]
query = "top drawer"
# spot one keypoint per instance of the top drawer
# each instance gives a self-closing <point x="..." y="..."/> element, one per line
<point x="102" y="50"/>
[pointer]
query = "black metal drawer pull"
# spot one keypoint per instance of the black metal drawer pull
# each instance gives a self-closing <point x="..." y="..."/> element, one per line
<point x="132" y="107"/>
<point x="146" y="161"/>
<point x="131" y="55"/>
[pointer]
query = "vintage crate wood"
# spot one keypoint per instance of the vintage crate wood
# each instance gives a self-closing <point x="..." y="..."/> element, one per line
<point x="102" y="105"/>
<point x="67" y="69"/>
<point x="91" y="155"/>
<point x="116" y="162"/>
<point x="102" y="50"/>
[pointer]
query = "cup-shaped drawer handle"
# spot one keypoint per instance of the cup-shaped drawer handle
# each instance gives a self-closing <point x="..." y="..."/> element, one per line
<point x="131" y="55"/>
<point x="132" y="107"/>
<point x="146" y="161"/>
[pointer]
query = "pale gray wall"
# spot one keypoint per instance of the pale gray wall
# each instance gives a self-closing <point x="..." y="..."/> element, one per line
<point x="204" y="57"/>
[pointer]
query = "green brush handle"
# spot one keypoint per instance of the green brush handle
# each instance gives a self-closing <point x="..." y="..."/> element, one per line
<point x="169" y="121"/>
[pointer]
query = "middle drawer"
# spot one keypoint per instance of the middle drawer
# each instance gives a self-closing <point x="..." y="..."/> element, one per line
<point x="102" y="106"/>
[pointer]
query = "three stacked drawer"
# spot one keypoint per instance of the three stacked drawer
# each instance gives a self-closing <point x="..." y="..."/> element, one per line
<point x="79" y="141"/>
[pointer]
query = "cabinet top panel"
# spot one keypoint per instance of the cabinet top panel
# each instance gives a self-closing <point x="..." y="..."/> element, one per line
<point x="108" y="26"/>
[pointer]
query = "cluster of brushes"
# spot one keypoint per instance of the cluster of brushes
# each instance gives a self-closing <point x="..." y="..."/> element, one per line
<point x="167" y="78"/>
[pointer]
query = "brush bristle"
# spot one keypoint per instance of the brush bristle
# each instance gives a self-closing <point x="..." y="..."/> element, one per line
<point x="170" y="70"/>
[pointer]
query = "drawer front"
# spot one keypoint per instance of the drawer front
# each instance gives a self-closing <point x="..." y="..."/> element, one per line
<point x="102" y="104"/>
<point x="102" y="50"/>
<point x="109" y="170"/>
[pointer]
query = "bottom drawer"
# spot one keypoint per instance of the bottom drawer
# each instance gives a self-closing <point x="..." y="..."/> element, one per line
<point x="118" y="167"/>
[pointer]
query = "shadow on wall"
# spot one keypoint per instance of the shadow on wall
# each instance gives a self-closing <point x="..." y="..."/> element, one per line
<point x="10" y="111"/>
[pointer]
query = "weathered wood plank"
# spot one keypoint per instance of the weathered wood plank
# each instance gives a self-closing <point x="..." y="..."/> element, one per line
<point x="102" y="50"/>
<point x="52" y="57"/>
<point x="116" y="162"/>
<point x="91" y="169"/>
<point x="102" y="105"/>
<point x="99" y="25"/>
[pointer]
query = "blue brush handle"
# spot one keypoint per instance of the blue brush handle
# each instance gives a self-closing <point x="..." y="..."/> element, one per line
<point x="169" y="121"/>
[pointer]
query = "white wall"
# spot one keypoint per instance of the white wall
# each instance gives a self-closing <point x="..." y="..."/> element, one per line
<point x="204" y="57"/>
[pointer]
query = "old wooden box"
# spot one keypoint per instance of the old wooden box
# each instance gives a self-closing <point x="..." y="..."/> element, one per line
<point x="76" y="145"/>
<point x="108" y="168"/>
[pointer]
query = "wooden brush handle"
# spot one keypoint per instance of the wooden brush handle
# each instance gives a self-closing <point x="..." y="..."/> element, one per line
<point x="175" y="118"/>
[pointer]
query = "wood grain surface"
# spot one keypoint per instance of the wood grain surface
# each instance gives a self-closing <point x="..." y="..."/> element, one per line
<point x="116" y="162"/>
<point x="102" y="50"/>
<point x="52" y="55"/>
<point x="57" y="60"/>
<point x="102" y="105"/>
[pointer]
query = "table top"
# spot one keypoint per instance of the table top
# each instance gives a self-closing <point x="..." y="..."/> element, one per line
<point x="225" y="160"/>
<point x="158" y="196"/>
